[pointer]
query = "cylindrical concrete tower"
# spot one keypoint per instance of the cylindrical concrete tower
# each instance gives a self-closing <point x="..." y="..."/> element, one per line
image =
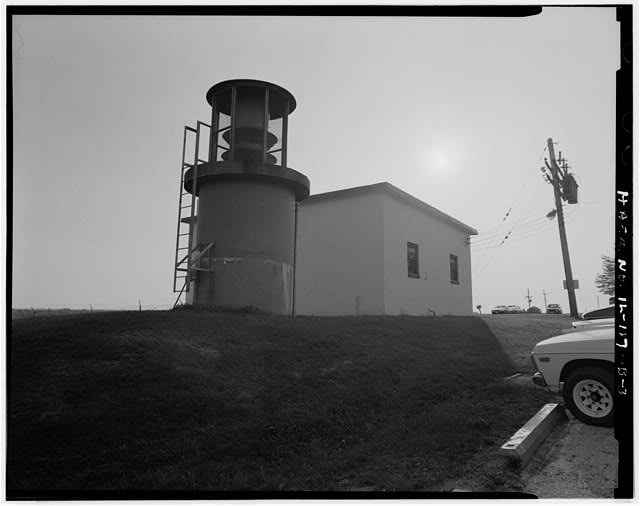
<point x="247" y="200"/>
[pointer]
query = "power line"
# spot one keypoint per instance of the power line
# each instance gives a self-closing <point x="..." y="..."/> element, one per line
<point x="513" y="204"/>
<point x="532" y="230"/>
<point x="529" y="234"/>
<point x="531" y="222"/>
<point x="527" y="180"/>
<point x="531" y="219"/>
<point x="506" y="237"/>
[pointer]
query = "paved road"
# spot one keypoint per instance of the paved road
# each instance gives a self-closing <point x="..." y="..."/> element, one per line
<point x="576" y="460"/>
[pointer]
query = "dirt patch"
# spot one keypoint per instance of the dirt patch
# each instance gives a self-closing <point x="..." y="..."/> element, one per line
<point x="577" y="460"/>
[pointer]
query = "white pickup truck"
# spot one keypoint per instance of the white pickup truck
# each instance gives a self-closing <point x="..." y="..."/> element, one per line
<point x="580" y="364"/>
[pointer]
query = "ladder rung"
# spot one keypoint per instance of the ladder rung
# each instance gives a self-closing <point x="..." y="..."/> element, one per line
<point x="181" y="270"/>
<point x="186" y="247"/>
<point x="184" y="207"/>
<point x="186" y="233"/>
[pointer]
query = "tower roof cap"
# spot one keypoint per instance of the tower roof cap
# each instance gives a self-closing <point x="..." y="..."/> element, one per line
<point x="276" y="101"/>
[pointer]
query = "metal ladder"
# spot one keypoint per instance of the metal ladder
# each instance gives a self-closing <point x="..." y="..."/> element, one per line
<point x="186" y="253"/>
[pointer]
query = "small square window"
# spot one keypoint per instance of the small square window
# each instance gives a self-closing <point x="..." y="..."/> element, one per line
<point x="453" y="269"/>
<point x="412" y="260"/>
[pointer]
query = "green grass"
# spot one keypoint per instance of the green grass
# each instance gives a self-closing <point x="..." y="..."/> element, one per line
<point x="220" y="401"/>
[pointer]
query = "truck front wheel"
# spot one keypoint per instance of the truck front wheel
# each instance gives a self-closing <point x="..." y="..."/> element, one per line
<point x="588" y="393"/>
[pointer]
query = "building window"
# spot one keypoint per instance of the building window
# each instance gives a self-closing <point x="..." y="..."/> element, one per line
<point x="453" y="269"/>
<point x="412" y="260"/>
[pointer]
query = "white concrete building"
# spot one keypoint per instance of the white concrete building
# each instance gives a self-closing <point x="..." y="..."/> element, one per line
<point x="377" y="250"/>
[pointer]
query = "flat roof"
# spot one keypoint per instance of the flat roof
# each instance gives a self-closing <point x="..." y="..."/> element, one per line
<point x="394" y="192"/>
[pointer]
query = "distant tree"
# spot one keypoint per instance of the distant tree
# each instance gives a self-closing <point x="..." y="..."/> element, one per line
<point x="605" y="281"/>
<point x="534" y="309"/>
<point x="479" y="308"/>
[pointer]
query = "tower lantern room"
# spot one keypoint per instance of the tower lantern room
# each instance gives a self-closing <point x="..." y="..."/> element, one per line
<point x="236" y="219"/>
<point x="251" y="121"/>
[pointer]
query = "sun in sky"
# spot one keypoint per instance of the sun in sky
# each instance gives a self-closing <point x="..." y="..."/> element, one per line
<point x="439" y="160"/>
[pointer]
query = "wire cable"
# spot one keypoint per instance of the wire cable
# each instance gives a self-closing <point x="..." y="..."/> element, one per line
<point x="531" y="222"/>
<point x="513" y="204"/>
<point x="570" y="216"/>
<point x="506" y="237"/>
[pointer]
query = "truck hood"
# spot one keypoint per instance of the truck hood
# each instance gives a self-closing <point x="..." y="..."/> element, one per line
<point x="595" y="340"/>
<point x="582" y="325"/>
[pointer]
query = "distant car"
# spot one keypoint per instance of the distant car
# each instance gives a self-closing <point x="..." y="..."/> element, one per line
<point x="554" y="309"/>
<point x="580" y="364"/>
<point x="500" y="310"/>
<point x="515" y="309"/>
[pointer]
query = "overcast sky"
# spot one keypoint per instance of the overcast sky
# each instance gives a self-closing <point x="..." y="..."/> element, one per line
<point x="455" y="111"/>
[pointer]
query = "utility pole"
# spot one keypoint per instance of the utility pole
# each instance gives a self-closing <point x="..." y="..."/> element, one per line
<point x="570" y="194"/>
<point x="529" y="298"/>
<point x="544" y="294"/>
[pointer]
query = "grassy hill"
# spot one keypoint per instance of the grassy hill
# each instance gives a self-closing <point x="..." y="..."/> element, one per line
<point x="219" y="401"/>
<point x="40" y="312"/>
<point x="519" y="333"/>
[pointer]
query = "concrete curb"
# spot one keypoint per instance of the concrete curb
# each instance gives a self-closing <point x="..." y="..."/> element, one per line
<point x="524" y="443"/>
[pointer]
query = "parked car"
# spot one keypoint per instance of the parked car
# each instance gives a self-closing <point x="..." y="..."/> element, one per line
<point x="500" y="310"/>
<point x="554" y="309"/>
<point x="515" y="309"/>
<point x="597" y="314"/>
<point x="590" y="324"/>
<point x="602" y="316"/>
<point x="580" y="364"/>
